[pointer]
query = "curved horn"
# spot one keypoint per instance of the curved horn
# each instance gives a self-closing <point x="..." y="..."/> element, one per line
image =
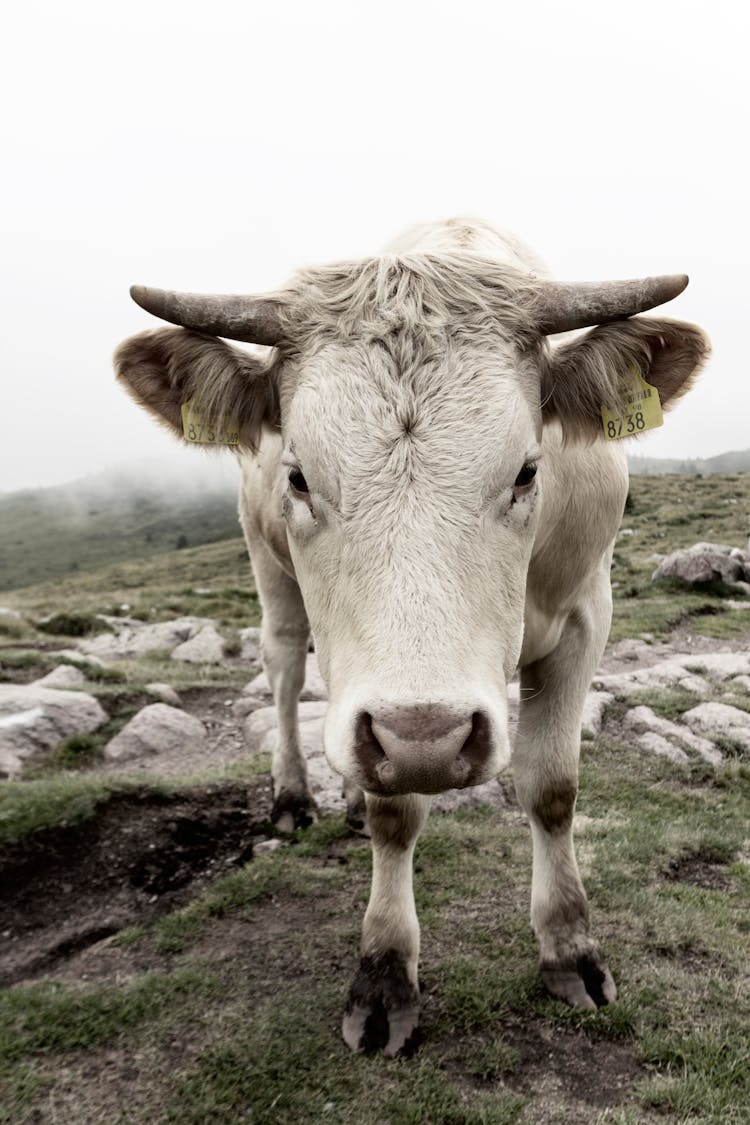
<point x="255" y="320"/>
<point x="562" y="306"/>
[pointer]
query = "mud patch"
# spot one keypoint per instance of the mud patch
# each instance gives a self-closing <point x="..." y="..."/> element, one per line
<point x="698" y="870"/>
<point x="140" y="855"/>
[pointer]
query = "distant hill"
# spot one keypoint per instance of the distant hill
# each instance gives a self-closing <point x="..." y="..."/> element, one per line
<point x="111" y="517"/>
<point x="735" y="462"/>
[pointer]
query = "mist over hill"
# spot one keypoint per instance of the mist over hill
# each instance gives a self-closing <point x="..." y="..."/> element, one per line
<point x="736" y="461"/>
<point x="128" y="512"/>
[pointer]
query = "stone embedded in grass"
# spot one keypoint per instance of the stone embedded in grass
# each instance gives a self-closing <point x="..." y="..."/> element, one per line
<point x="35" y="719"/>
<point x="206" y="647"/>
<point x="156" y="729"/>
<point x="654" y="743"/>
<point x="721" y="720"/>
<point x="593" y="712"/>
<point x="706" y="564"/>
<point x="138" y="639"/>
<point x="72" y="656"/>
<point x="643" y="720"/>
<point x="165" y="693"/>
<point x="63" y="676"/>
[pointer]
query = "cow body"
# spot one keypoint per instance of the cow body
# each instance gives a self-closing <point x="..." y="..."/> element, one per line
<point x="420" y="499"/>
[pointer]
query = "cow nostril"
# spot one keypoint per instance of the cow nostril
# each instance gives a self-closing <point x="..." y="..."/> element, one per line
<point x="368" y="750"/>
<point x="478" y="745"/>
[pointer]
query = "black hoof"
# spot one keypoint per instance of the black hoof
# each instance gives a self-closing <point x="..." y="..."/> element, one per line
<point x="584" y="981"/>
<point x="291" y="811"/>
<point x="382" y="1012"/>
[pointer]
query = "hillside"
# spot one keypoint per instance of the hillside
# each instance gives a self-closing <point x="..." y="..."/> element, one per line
<point x="50" y="532"/>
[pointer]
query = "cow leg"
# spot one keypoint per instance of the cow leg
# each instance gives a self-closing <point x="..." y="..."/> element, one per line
<point x="545" y="763"/>
<point x="283" y="640"/>
<point x="383" y="1005"/>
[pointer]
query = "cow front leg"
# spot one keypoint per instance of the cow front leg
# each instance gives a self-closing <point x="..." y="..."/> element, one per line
<point x="545" y="763"/>
<point x="285" y="632"/>
<point x="382" y="1010"/>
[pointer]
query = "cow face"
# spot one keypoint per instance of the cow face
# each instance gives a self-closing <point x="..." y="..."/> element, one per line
<point x="411" y="499"/>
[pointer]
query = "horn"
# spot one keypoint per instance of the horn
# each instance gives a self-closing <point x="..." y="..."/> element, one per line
<point x="255" y="320"/>
<point x="562" y="306"/>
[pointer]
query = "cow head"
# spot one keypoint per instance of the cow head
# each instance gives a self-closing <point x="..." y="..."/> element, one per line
<point x="410" y="393"/>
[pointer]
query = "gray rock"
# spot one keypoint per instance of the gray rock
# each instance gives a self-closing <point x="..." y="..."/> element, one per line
<point x="13" y="614"/>
<point x="206" y="647"/>
<point x="250" y="643"/>
<point x="741" y="682"/>
<point x="35" y="718"/>
<point x="667" y="673"/>
<point x="156" y="729"/>
<point x="593" y="712"/>
<point x="697" y="567"/>
<point x="165" y="693"/>
<point x="491" y="794"/>
<point x="654" y="743"/>
<point x="720" y="720"/>
<point x="63" y="676"/>
<point x="135" y="639"/>
<point x="644" y="720"/>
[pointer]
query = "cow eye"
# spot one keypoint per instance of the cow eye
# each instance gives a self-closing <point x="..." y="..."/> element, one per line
<point x="298" y="482"/>
<point x="524" y="480"/>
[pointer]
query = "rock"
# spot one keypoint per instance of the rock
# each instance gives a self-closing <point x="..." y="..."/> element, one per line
<point x="134" y="638"/>
<point x="259" y="689"/>
<point x="266" y="719"/>
<point x="653" y="743"/>
<point x="156" y="729"/>
<point x="703" y="563"/>
<point x="206" y="647"/>
<point x="643" y="719"/>
<point x="718" y="665"/>
<point x="491" y="794"/>
<point x="63" y="676"/>
<point x="267" y="847"/>
<point x="250" y="643"/>
<point x="13" y="614"/>
<point x="667" y="673"/>
<point x="742" y="682"/>
<point x="35" y="718"/>
<point x="593" y="712"/>
<point x="165" y="693"/>
<point x="720" y="720"/>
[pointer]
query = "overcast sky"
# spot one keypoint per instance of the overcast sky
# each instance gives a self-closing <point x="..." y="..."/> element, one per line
<point x="218" y="146"/>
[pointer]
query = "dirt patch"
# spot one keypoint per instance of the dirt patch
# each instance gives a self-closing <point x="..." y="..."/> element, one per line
<point x="567" y="1076"/>
<point x="699" y="871"/>
<point x="141" y="854"/>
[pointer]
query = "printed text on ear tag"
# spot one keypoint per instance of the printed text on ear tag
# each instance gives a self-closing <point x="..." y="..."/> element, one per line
<point x="202" y="430"/>
<point x="639" y="409"/>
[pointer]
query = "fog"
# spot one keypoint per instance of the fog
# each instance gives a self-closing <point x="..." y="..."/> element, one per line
<point x="218" y="148"/>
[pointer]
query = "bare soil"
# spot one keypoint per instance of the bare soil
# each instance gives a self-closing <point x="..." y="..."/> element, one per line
<point x="68" y="887"/>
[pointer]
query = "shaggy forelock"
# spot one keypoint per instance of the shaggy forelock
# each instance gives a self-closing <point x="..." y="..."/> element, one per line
<point x="426" y="297"/>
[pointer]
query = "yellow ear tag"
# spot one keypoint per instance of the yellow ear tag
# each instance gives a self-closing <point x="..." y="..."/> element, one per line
<point x="202" y="430"/>
<point x="639" y="409"/>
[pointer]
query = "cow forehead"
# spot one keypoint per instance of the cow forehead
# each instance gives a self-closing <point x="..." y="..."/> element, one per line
<point x="355" y="402"/>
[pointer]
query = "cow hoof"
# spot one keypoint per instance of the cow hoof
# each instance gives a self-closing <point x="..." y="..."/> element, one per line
<point x="356" y="817"/>
<point x="584" y="981"/>
<point x="291" y="811"/>
<point x="382" y="1012"/>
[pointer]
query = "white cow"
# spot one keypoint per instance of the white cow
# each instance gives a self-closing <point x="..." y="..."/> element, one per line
<point x="425" y="483"/>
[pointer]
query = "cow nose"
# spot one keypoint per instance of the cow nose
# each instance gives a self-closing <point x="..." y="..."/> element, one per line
<point x="422" y="747"/>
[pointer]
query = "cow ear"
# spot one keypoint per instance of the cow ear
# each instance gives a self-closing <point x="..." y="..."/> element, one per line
<point x="592" y="371"/>
<point x="163" y="370"/>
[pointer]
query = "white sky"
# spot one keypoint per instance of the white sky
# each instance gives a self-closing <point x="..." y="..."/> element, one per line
<point x="218" y="146"/>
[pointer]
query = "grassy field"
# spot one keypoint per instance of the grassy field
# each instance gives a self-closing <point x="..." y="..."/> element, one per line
<point x="227" y="1008"/>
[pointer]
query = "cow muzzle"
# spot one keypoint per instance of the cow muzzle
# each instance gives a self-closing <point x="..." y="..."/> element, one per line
<point x="424" y="747"/>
